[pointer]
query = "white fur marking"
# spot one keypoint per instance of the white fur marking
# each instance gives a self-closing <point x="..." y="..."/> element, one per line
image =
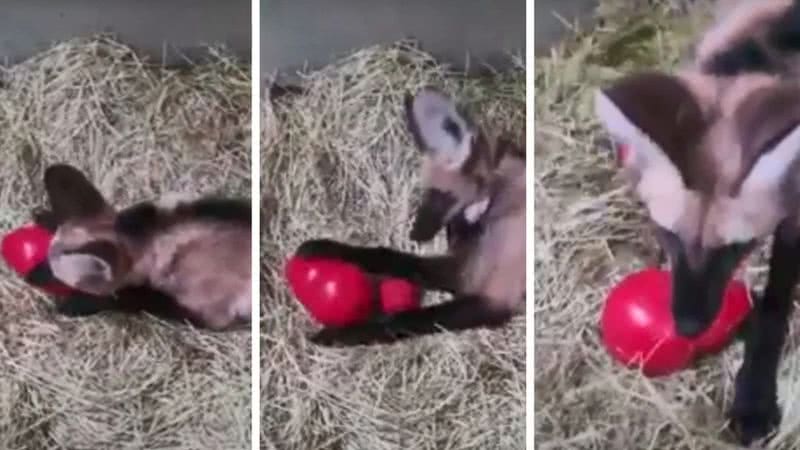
<point x="72" y="268"/>
<point x="771" y="167"/>
<point x="660" y="185"/>
<point x="476" y="210"/>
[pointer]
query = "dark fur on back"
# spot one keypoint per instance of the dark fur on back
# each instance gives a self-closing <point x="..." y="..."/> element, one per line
<point x="146" y="218"/>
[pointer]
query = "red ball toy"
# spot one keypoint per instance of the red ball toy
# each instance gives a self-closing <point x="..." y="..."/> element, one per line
<point x="638" y="328"/>
<point x="25" y="248"/>
<point x="339" y="294"/>
<point x="333" y="292"/>
<point x="398" y="295"/>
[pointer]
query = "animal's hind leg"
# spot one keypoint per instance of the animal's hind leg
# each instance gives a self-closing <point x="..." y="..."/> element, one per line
<point x="80" y="304"/>
<point x="755" y="409"/>
<point x="430" y="273"/>
<point x="462" y="313"/>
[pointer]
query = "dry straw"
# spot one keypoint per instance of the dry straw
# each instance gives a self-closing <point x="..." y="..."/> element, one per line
<point x="140" y="131"/>
<point x="590" y="232"/>
<point x="337" y="162"/>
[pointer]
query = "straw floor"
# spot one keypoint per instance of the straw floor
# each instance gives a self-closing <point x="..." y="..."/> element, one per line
<point x="338" y="162"/>
<point x="590" y="231"/>
<point x="110" y="381"/>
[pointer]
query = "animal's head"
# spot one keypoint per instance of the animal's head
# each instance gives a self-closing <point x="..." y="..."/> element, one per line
<point x="715" y="162"/>
<point x="459" y="162"/>
<point x="86" y="252"/>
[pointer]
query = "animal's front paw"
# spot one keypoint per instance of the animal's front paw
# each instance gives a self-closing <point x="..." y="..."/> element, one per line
<point x="323" y="248"/>
<point x="754" y="414"/>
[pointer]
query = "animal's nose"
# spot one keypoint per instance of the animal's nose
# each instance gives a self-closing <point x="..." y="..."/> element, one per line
<point x="689" y="327"/>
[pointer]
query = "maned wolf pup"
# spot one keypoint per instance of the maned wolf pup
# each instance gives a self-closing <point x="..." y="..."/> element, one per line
<point x="474" y="188"/>
<point x="189" y="260"/>
<point x="713" y="153"/>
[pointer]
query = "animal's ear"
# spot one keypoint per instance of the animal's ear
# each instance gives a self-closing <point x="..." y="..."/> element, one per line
<point x="71" y="194"/>
<point x="82" y="271"/>
<point x="439" y="129"/>
<point x="655" y="124"/>
<point x="770" y="131"/>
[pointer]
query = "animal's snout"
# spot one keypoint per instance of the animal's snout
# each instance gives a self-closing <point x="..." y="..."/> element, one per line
<point x="690" y="327"/>
<point x="55" y="250"/>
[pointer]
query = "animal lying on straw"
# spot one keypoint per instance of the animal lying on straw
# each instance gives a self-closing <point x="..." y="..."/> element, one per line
<point x="473" y="188"/>
<point x="713" y="153"/>
<point x="186" y="261"/>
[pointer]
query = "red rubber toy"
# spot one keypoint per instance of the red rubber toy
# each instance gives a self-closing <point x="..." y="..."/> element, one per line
<point x="638" y="328"/>
<point x="334" y="293"/>
<point x="24" y="249"/>
<point x="398" y="295"/>
<point x="340" y="294"/>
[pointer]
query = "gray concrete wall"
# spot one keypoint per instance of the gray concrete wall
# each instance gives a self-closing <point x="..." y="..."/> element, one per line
<point x="162" y="29"/>
<point x="314" y="32"/>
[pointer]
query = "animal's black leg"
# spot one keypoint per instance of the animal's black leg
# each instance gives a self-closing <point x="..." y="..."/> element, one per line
<point x="430" y="273"/>
<point x="462" y="313"/>
<point x="41" y="275"/>
<point x="136" y="299"/>
<point x="80" y="304"/>
<point x="755" y="409"/>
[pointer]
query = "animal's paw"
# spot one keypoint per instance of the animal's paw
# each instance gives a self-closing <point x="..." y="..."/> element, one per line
<point x="754" y="414"/>
<point x="323" y="248"/>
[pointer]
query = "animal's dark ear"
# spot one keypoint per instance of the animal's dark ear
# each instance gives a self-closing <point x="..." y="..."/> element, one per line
<point x="71" y="194"/>
<point x="439" y="129"/>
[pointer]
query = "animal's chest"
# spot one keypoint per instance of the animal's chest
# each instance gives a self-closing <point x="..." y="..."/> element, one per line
<point x="496" y="266"/>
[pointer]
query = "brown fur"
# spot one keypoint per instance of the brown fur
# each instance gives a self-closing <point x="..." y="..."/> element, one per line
<point x="712" y="151"/>
<point x="201" y="262"/>
<point x="475" y="187"/>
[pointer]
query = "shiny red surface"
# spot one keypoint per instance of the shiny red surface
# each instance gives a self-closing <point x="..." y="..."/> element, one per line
<point x="334" y="293"/>
<point x="637" y="325"/>
<point x="24" y="248"/>
<point x="638" y="328"/>
<point x="398" y="295"/>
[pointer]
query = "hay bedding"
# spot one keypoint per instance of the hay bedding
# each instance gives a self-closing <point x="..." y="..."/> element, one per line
<point x="589" y="233"/>
<point x="338" y="163"/>
<point x="140" y="131"/>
